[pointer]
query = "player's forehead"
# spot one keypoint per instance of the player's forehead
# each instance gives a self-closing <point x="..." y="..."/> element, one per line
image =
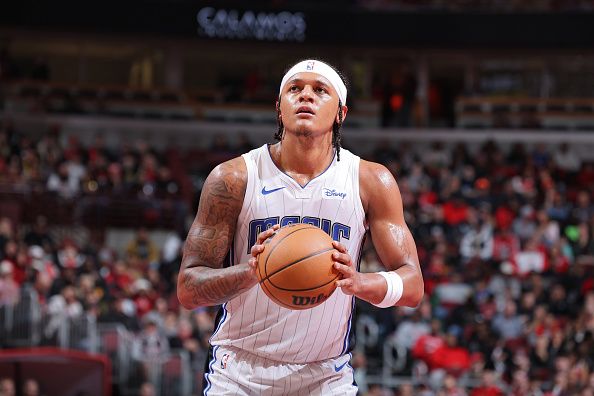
<point x="310" y="78"/>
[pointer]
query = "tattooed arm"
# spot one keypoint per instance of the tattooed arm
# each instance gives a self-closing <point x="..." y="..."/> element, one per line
<point x="202" y="280"/>
<point x="391" y="238"/>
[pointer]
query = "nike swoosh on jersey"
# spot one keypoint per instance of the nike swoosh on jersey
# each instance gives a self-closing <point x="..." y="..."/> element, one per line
<point x="266" y="192"/>
<point x="338" y="368"/>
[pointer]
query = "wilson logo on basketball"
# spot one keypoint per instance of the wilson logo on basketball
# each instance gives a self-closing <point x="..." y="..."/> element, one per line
<point x="306" y="300"/>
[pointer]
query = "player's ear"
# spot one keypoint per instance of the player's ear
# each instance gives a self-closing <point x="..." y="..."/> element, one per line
<point x="345" y="110"/>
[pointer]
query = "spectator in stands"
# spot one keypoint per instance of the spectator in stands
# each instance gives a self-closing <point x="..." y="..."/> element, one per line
<point x="30" y="163"/>
<point x="11" y="254"/>
<point x="7" y="387"/>
<point x="142" y="249"/>
<point x="488" y="386"/>
<point x="59" y="183"/>
<point x="39" y="234"/>
<point x="477" y="241"/>
<point x="508" y="324"/>
<point x="583" y="210"/>
<point x="540" y="156"/>
<point x="9" y="289"/>
<point x="38" y="261"/>
<point x="567" y="160"/>
<point x="451" y="357"/>
<point x="540" y="358"/>
<point x="144" y="298"/>
<point x="451" y="387"/>
<point x="147" y="389"/>
<point x="60" y="308"/>
<point x="524" y="226"/>
<point x="437" y="156"/>
<point x="426" y="345"/>
<point x="31" y="388"/>
<point x="506" y="245"/>
<point x="186" y="338"/>
<point x="410" y="329"/>
<point x="150" y="348"/>
<point x="6" y="233"/>
<point x="557" y="207"/>
<point x="69" y="255"/>
<point x="533" y="258"/>
<point x="165" y="185"/>
<point x="121" y="310"/>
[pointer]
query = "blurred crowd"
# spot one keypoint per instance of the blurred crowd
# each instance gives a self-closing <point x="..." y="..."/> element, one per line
<point x="506" y="243"/>
<point x="505" y="236"/>
<point x="64" y="166"/>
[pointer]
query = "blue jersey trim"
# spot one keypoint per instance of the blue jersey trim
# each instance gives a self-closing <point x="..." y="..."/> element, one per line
<point x="214" y="359"/>
<point x="224" y="307"/>
<point x="345" y="345"/>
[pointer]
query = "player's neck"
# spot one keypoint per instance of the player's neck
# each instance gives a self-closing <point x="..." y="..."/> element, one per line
<point x="304" y="158"/>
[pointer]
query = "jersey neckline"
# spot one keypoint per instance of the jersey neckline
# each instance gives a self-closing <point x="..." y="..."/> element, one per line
<point x="290" y="177"/>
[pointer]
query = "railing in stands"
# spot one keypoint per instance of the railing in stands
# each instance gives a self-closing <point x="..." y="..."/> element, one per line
<point x="115" y="341"/>
<point x="524" y="112"/>
<point x="22" y="321"/>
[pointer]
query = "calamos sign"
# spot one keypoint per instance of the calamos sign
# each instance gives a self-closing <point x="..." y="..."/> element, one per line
<point x="266" y="26"/>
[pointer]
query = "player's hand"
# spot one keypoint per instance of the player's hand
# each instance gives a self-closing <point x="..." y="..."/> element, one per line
<point x="350" y="279"/>
<point x="259" y="247"/>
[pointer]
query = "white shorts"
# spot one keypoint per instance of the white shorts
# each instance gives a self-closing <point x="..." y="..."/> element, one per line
<point x="233" y="371"/>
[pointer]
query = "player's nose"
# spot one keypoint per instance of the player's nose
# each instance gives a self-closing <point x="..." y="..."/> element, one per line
<point x="306" y="94"/>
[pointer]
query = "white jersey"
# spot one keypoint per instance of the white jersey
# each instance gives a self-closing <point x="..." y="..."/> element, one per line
<point x="331" y="201"/>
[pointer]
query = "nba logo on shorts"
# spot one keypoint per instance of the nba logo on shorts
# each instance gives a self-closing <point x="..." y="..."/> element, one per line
<point x="224" y="361"/>
<point x="310" y="65"/>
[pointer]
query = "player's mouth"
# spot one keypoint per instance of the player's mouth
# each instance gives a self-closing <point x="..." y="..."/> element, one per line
<point x="305" y="111"/>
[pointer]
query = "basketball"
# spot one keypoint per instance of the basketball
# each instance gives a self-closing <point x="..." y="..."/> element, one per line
<point x="296" y="269"/>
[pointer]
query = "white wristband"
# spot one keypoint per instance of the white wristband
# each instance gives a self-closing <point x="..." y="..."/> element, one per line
<point x="395" y="289"/>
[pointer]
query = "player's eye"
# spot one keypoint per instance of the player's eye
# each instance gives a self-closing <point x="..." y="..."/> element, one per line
<point x="293" y="88"/>
<point x="321" y="90"/>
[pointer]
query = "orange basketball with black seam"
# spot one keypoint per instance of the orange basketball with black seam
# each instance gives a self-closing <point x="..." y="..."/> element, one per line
<point x="296" y="268"/>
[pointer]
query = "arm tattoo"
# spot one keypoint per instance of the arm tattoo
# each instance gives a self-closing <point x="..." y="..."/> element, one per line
<point x="202" y="277"/>
<point x="211" y="287"/>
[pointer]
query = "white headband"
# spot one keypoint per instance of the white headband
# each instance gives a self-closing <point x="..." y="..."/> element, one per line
<point x="318" y="67"/>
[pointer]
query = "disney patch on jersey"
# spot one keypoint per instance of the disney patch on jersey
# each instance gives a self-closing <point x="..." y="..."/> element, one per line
<point x="331" y="193"/>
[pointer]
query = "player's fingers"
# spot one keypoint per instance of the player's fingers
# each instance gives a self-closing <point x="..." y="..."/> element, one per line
<point x="339" y="246"/>
<point x="342" y="258"/>
<point x="257" y="249"/>
<point x="344" y="283"/>
<point x="264" y="235"/>
<point x="252" y="263"/>
<point x="343" y="269"/>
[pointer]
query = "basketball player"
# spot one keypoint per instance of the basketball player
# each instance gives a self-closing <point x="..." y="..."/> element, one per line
<point x="258" y="347"/>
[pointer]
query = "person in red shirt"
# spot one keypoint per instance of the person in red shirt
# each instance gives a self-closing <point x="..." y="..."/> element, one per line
<point x="455" y="211"/>
<point x="451" y="357"/>
<point x="441" y="352"/>
<point x="488" y="387"/>
<point x="427" y="344"/>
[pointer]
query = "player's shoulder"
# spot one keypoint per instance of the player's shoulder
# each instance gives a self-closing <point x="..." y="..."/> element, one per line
<point x="374" y="180"/>
<point x="374" y="172"/>
<point x="232" y="173"/>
